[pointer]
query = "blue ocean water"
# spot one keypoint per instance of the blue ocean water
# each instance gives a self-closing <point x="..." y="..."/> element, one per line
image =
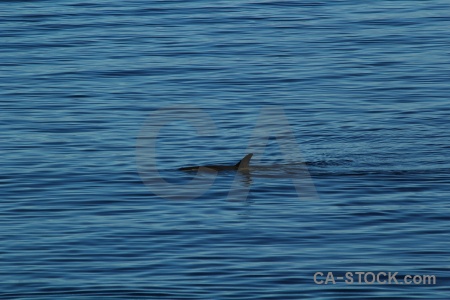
<point x="345" y="104"/>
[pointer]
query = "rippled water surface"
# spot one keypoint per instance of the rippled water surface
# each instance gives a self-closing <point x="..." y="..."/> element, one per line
<point x="345" y="105"/>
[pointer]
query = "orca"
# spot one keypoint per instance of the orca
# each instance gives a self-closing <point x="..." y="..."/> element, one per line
<point x="243" y="164"/>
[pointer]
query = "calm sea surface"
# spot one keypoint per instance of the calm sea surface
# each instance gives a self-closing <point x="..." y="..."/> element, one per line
<point x="345" y="105"/>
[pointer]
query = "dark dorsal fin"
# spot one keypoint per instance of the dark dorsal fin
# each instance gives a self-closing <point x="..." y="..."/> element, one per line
<point x="244" y="163"/>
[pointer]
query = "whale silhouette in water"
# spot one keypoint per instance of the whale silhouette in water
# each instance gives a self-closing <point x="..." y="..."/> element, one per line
<point x="243" y="164"/>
